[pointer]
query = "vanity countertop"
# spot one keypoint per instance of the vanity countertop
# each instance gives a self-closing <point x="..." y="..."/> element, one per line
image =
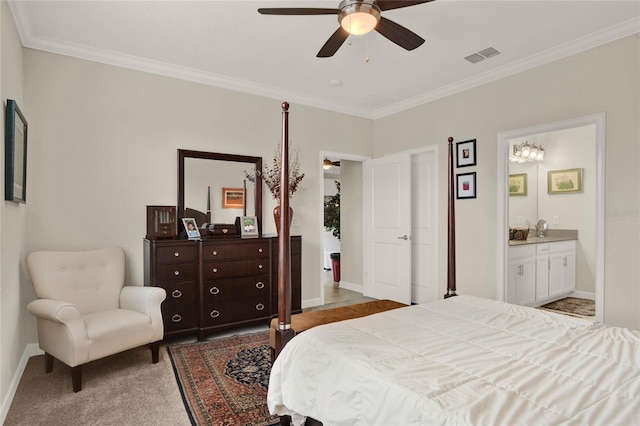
<point x="539" y="240"/>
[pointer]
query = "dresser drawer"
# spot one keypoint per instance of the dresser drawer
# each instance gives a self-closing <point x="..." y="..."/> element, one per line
<point x="175" y="254"/>
<point x="180" y="293"/>
<point x="248" y="288"/>
<point x="216" y="252"/>
<point x="179" y="308"/>
<point x="237" y="268"/>
<point x="215" y="314"/>
<point x="178" y="316"/>
<point x="176" y="272"/>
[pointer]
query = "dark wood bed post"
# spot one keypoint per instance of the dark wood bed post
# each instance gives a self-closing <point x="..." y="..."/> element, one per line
<point x="284" y="333"/>
<point x="451" y="263"/>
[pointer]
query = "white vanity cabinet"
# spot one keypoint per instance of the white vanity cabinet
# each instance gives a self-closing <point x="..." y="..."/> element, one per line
<point x="540" y="272"/>
<point x="521" y="275"/>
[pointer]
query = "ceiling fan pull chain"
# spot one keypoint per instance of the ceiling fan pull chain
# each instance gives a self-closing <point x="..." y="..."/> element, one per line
<point x="366" y="48"/>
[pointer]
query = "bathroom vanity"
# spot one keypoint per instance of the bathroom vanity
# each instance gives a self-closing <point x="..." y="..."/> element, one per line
<point x="541" y="269"/>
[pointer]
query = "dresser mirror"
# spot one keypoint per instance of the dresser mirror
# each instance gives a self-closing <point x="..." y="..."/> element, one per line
<point x="211" y="187"/>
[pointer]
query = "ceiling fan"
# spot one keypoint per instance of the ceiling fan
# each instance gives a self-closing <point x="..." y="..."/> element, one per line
<point x="358" y="17"/>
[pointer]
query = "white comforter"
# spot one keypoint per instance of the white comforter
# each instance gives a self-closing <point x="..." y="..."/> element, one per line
<point x="463" y="360"/>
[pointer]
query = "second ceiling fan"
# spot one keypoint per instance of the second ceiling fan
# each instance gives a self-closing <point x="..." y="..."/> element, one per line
<point x="358" y="17"/>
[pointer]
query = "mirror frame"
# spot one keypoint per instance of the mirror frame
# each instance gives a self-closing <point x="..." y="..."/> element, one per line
<point x="255" y="161"/>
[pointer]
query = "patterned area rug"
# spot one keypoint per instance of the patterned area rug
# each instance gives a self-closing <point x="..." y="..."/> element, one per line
<point x="573" y="306"/>
<point x="225" y="381"/>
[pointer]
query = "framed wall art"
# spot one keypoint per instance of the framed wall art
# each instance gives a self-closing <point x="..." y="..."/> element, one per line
<point x="518" y="184"/>
<point x="466" y="185"/>
<point x="232" y="198"/>
<point x="466" y="153"/>
<point x="564" y="181"/>
<point x="15" y="154"/>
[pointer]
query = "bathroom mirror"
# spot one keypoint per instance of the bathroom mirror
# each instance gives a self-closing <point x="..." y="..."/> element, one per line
<point x="211" y="185"/>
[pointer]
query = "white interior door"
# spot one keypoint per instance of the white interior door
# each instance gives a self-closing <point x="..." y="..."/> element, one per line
<point x="387" y="228"/>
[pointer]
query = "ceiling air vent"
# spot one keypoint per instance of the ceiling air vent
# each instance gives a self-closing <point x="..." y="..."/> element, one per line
<point x="487" y="53"/>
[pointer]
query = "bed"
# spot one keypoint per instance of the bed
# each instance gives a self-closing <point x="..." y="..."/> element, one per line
<point x="461" y="360"/>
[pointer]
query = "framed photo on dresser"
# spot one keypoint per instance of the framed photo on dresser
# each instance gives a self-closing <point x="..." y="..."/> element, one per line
<point x="191" y="227"/>
<point x="249" y="226"/>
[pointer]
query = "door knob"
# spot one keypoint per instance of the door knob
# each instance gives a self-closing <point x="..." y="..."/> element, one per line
<point x="404" y="237"/>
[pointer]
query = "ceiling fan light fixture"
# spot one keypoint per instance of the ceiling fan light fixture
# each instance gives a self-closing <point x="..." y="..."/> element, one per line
<point x="358" y="17"/>
<point x="326" y="164"/>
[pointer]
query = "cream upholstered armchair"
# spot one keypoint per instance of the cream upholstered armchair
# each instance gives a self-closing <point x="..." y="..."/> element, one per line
<point x="85" y="312"/>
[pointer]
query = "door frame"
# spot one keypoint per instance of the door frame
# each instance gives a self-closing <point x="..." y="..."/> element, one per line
<point x="321" y="157"/>
<point x="598" y="120"/>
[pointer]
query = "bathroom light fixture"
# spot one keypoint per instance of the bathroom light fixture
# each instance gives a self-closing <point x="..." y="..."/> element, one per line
<point x="527" y="153"/>
<point x="326" y="164"/>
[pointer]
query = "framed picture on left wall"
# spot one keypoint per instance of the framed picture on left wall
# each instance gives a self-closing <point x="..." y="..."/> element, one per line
<point x="15" y="154"/>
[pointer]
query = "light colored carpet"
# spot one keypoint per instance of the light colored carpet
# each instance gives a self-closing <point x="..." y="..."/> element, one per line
<point x="123" y="389"/>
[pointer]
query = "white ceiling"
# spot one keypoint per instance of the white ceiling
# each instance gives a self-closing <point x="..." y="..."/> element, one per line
<point x="228" y="44"/>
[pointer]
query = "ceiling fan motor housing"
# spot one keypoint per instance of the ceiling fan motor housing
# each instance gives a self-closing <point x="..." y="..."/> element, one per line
<point x="353" y="12"/>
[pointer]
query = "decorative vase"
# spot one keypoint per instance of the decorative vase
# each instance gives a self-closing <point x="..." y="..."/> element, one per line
<point x="276" y="216"/>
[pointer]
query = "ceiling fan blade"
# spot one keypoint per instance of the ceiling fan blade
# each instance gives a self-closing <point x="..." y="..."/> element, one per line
<point x="398" y="34"/>
<point x="393" y="4"/>
<point x="297" y="11"/>
<point x="333" y="44"/>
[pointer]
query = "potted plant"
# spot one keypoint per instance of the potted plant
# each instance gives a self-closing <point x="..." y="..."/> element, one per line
<point x="332" y="223"/>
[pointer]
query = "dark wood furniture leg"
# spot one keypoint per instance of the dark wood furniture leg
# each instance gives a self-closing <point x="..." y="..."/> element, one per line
<point x="76" y="377"/>
<point x="48" y="363"/>
<point x="155" y="352"/>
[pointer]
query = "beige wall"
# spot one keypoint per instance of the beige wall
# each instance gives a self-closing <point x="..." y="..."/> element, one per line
<point x="105" y="140"/>
<point x="14" y="295"/>
<point x="351" y="222"/>
<point x="604" y="79"/>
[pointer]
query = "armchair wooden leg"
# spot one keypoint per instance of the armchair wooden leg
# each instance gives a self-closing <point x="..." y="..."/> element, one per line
<point x="48" y="363"/>
<point x="155" y="352"/>
<point x="76" y="377"/>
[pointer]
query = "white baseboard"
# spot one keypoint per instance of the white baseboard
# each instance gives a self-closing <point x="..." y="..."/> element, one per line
<point x="352" y="286"/>
<point x="310" y="303"/>
<point x="32" y="349"/>
<point x="583" y="295"/>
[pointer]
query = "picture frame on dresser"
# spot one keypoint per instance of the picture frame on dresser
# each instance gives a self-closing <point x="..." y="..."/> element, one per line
<point x="249" y="227"/>
<point x="191" y="228"/>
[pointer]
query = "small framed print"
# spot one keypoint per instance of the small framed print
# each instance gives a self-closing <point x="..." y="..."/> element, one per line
<point x="564" y="181"/>
<point x="466" y="153"/>
<point x="232" y="198"/>
<point x="191" y="228"/>
<point x="518" y="184"/>
<point x="466" y="185"/>
<point x="248" y="226"/>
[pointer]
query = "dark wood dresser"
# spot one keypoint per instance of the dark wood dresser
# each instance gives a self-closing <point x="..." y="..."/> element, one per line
<point x="216" y="284"/>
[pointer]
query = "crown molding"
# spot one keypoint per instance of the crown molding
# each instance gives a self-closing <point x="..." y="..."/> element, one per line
<point x="591" y="41"/>
<point x="20" y="16"/>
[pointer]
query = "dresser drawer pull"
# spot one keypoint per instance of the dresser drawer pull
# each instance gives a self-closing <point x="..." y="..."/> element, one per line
<point x="214" y="314"/>
<point x="260" y="285"/>
<point x="176" y="318"/>
<point x="176" y="254"/>
<point x="215" y="269"/>
<point x="215" y="253"/>
<point x="259" y="250"/>
<point x="259" y="307"/>
<point x="260" y="266"/>
<point x="214" y="290"/>
<point x="176" y="273"/>
<point x="176" y="294"/>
